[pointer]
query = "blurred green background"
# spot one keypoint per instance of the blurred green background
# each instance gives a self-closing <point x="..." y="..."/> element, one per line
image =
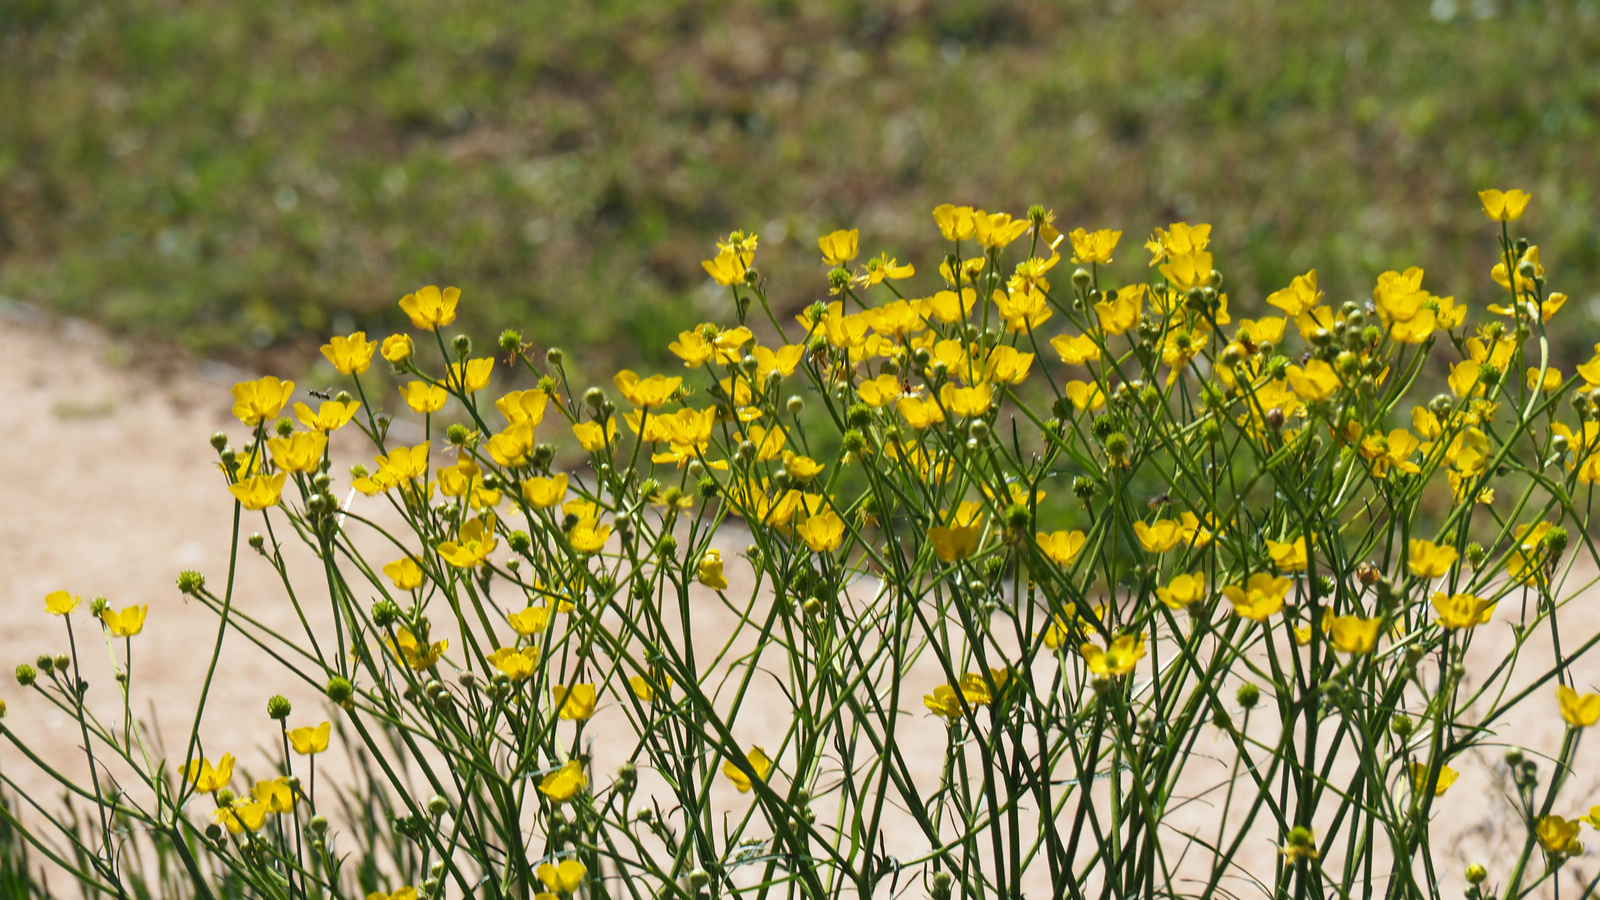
<point x="245" y="178"/>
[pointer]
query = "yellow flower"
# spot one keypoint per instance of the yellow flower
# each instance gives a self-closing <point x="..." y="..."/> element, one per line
<point x="1085" y="395"/>
<point x="471" y="376"/>
<point x="822" y="533"/>
<point x="1315" y="381"/>
<point x="1093" y="247"/>
<point x="309" y="740"/>
<point x="709" y="571"/>
<point x="1504" y="206"/>
<point x="727" y="268"/>
<point x="589" y="536"/>
<point x="1551" y="383"/>
<point x="956" y="223"/>
<point x="414" y="653"/>
<point x="592" y="437"/>
<point x="1159" y="536"/>
<point x="950" y="306"/>
<point x="1188" y="271"/>
<point x="330" y="416"/>
<point x="975" y="686"/>
<point x="431" y="308"/>
<point x="350" y="355"/>
<point x="1007" y="365"/>
<point x="405" y="573"/>
<point x="944" y="701"/>
<point x="575" y="703"/>
<point x="473" y="544"/>
<point x="1178" y="239"/>
<point x="966" y="402"/>
<point x="997" y="229"/>
<point x="1462" y="610"/>
<point x="405" y="893"/>
<point x="1352" y="634"/>
<point x="531" y="620"/>
<point x="60" y="603"/>
<point x="1121" y="314"/>
<point x="543" y="493"/>
<point x="1183" y="590"/>
<point x="649" y="393"/>
<point x="259" y="491"/>
<point x="1289" y="557"/>
<point x="566" y="878"/>
<point x="1076" y="350"/>
<point x="918" y="413"/>
<point x="1299" y="297"/>
<point x="397" y="348"/>
<point x="1425" y="559"/>
<point x="254" y="401"/>
<point x="757" y="760"/>
<point x="564" y="783"/>
<point x="840" y="247"/>
<point x="1259" y="598"/>
<point x="242" y="816"/>
<point x="801" y="468"/>
<point x="276" y="795"/>
<point x="1061" y="547"/>
<point x="1558" y="836"/>
<point x="1117" y="659"/>
<point x="423" y="397"/>
<point x="953" y="542"/>
<point x="1579" y="710"/>
<point x="1525" y="283"/>
<point x="205" y="778"/>
<point x="645" y="686"/>
<point x="881" y="267"/>
<point x="517" y="664"/>
<point x="878" y="392"/>
<point x="127" y="623"/>
<point x="1392" y="452"/>
<point x="299" y="452"/>
<point x="1419" y="778"/>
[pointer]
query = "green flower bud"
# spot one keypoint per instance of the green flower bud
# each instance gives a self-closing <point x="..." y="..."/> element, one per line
<point x="26" y="675"/>
<point x="191" y="582"/>
<point x="554" y="356"/>
<point x="219" y="441"/>
<point x="1249" y="695"/>
<point x="340" y="690"/>
<point x="795" y="404"/>
<point x="319" y="824"/>
<point x="284" y="427"/>
<point x="438" y="806"/>
<point x="1555" y="541"/>
<point x="63" y="662"/>
<point x="45" y="662"/>
<point x="519" y="541"/>
<point x="278" y="707"/>
<point x="1402" y="726"/>
<point x="1476" y="873"/>
<point x="462" y="344"/>
<point x="855" y="442"/>
<point x="1081" y="278"/>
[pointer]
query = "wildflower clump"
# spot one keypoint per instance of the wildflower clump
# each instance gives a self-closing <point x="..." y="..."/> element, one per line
<point x="1093" y="511"/>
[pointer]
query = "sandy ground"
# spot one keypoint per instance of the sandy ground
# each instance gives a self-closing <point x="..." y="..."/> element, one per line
<point x="106" y="488"/>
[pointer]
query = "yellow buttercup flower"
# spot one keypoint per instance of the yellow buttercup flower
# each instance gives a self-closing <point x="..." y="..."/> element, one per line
<point x="592" y="437"/>
<point x="565" y="878"/>
<point x="1117" y="659"/>
<point x="919" y="413"/>
<point x="1425" y="559"/>
<point x="350" y="355"/>
<point x="1558" y="836"/>
<point x="254" y="401"/>
<point x="473" y="544"/>
<point x="1188" y="271"/>
<point x="709" y="571"/>
<point x="276" y="795"/>
<point x="397" y="348"/>
<point x="330" y="416"/>
<point x="406" y="573"/>
<point x="1315" y="381"/>
<point x="1178" y="239"/>
<point x="758" y="761"/>
<point x="575" y="703"/>
<point x="405" y="893"/>
<point x="1579" y="710"/>
<point x="1076" y="350"/>
<point x="517" y="664"/>
<point x="1095" y="246"/>
<point x="1288" y="557"/>
<point x="416" y="654"/>
<point x="956" y="223"/>
<point x="1504" y="206"/>
<point x="242" y="816"/>
<point x="472" y="375"/>
<point x="309" y="740"/>
<point x="207" y="778"/>
<point x="430" y="308"/>
<point x="1085" y="395"/>
<point x="542" y="493"/>
<point x="124" y="624"/>
<point x="1462" y="610"/>
<point x="1260" y="597"/>
<point x="260" y="491"/>
<point x="1159" y="536"/>
<point x="966" y="402"/>
<point x="975" y="685"/>
<point x="589" y="535"/>
<point x="60" y="603"/>
<point x="645" y="687"/>
<point x="423" y="397"/>
<point x="1183" y="590"/>
<point x="944" y="701"/>
<point x="564" y="783"/>
<point x="727" y="268"/>
<point x="531" y="620"/>
<point x="822" y="533"/>
<point x="1351" y="634"/>
<point x="648" y="393"/>
<point x="1299" y="297"/>
<point x="953" y="542"/>
<point x="1419" y="778"/>
<point x="299" y="452"/>
<point x="994" y="230"/>
<point x="1061" y="547"/>
<point x="840" y="247"/>
<point x="1122" y="312"/>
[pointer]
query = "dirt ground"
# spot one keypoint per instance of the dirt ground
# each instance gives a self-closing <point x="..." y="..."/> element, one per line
<point x="107" y="488"/>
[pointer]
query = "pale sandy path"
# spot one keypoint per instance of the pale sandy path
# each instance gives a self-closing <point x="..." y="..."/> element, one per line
<point x="106" y="487"/>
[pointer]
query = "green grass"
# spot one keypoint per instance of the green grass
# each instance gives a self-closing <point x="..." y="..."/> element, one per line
<point x="247" y="177"/>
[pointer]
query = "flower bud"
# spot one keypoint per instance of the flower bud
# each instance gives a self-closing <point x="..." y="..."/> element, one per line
<point x="554" y="356"/>
<point x="1081" y="278"/>
<point x="1476" y="873"/>
<point x="438" y="806"/>
<point x="214" y="833"/>
<point x="519" y="541"/>
<point x="219" y="441"/>
<point x="941" y="886"/>
<point x="191" y="582"/>
<point x="628" y="773"/>
<point x="699" y="878"/>
<point x="340" y="690"/>
<point x="45" y="662"/>
<point x="224" y="798"/>
<point x="1555" y="541"/>
<point x="284" y="427"/>
<point x="319" y="824"/>
<point x="63" y="662"/>
<point x="462" y="344"/>
<point x="795" y="404"/>
<point x="26" y="675"/>
<point x="98" y="605"/>
<point x="1402" y="726"/>
<point x="1249" y="695"/>
<point x="278" y="707"/>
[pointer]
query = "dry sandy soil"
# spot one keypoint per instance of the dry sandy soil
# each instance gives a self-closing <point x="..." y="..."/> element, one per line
<point x="107" y="488"/>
